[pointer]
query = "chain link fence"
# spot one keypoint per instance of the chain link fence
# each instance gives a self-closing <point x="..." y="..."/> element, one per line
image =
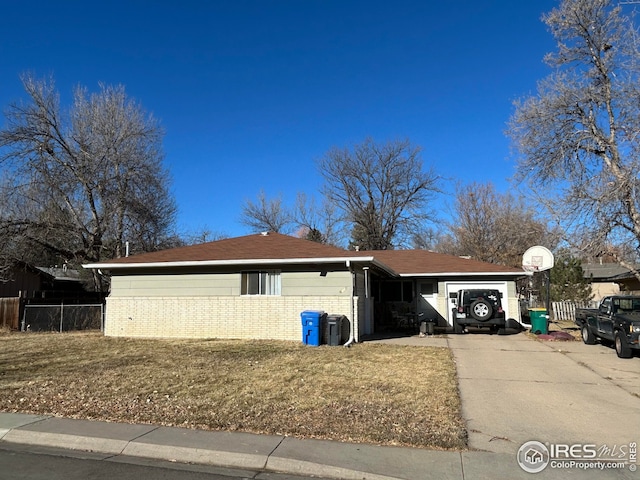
<point x="62" y="318"/>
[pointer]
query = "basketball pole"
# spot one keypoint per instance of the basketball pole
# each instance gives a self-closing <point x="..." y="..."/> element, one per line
<point x="548" y="294"/>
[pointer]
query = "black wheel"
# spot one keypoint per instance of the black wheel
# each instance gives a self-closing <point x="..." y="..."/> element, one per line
<point x="481" y="310"/>
<point x="587" y="335"/>
<point x="622" y="346"/>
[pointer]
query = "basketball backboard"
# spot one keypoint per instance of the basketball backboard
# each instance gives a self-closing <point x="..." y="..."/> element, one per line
<point x="537" y="259"/>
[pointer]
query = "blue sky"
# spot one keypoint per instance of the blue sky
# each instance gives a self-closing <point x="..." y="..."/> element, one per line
<point x="252" y="92"/>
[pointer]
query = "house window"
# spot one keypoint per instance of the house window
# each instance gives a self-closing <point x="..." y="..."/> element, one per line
<point x="428" y="289"/>
<point x="397" y="291"/>
<point x="260" y="283"/>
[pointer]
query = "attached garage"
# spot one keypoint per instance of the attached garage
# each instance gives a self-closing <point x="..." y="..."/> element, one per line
<point x="427" y="280"/>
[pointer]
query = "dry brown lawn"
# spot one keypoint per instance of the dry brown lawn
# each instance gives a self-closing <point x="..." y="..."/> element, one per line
<point x="369" y="393"/>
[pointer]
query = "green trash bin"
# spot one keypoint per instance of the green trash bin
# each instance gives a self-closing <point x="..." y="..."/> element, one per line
<point x="539" y="320"/>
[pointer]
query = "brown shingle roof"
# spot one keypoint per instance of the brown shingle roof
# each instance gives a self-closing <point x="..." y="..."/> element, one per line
<point x="272" y="246"/>
<point x="405" y="262"/>
<point x="275" y="246"/>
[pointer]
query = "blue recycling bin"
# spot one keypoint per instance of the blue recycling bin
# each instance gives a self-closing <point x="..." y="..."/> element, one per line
<point x="311" y="326"/>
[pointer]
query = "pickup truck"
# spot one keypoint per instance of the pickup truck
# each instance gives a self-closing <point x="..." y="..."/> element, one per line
<point x="617" y="320"/>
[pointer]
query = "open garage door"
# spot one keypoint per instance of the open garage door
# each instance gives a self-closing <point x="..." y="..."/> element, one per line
<point x="453" y="287"/>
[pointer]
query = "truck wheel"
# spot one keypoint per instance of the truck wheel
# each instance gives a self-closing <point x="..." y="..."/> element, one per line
<point x="481" y="310"/>
<point x="587" y="335"/>
<point x="622" y="346"/>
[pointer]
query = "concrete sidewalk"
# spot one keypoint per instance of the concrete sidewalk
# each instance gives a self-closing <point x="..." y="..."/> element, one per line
<point x="264" y="453"/>
<point x="247" y="451"/>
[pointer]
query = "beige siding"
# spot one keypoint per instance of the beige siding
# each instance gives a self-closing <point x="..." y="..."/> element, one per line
<point x="602" y="289"/>
<point x="227" y="284"/>
<point x="188" y="285"/>
<point x="312" y="283"/>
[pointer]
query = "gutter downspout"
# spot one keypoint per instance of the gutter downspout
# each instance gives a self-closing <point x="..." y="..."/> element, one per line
<point x="367" y="302"/>
<point x="353" y="291"/>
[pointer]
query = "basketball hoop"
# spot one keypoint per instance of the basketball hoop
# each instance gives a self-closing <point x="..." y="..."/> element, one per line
<point x="537" y="259"/>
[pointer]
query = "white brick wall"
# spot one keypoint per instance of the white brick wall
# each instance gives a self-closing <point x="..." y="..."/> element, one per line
<point x="250" y="317"/>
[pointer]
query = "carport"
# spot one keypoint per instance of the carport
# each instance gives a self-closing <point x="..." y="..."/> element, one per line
<point x="424" y="284"/>
<point x="402" y="303"/>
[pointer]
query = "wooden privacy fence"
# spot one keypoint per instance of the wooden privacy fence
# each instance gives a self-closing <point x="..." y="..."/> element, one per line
<point x="566" y="311"/>
<point x="10" y="312"/>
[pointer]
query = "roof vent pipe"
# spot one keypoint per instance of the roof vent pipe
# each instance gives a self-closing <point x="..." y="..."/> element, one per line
<point x="264" y="234"/>
<point x="126" y="248"/>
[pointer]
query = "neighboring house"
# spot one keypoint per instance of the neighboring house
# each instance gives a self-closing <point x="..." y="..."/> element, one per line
<point x="31" y="282"/>
<point x="31" y="285"/>
<point x="256" y="286"/>
<point x="603" y="278"/>
<point x="628" y="282"/>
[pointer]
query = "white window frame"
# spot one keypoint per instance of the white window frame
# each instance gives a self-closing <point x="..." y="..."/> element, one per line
<point x="260" y="282"/>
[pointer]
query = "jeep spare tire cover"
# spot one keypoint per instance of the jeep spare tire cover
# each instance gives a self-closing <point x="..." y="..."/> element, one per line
<point x="481" y="310"/>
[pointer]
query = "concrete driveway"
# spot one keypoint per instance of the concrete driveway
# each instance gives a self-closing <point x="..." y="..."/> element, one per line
<point x="515" y="389"/>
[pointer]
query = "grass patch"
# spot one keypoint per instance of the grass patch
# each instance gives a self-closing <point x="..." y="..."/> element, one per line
<point x="370" y="393"/>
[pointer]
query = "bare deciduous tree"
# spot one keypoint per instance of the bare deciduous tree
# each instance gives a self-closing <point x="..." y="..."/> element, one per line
<point x="578" y="138"/>
<point x="380" y="189"/>
<point x="79" y="184"/>
<point x="317" y="223"/>
<point x="492" y="227"/>
<point x="266" y="215"/>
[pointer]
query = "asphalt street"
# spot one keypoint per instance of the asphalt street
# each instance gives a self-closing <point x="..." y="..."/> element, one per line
<point x="23" y="462"/>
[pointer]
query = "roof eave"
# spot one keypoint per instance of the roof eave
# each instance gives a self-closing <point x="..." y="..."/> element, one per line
<point x="223" y="263"/>
<point x="467" y="274"/>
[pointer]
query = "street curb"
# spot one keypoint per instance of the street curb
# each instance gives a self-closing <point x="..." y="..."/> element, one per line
<point x="186" y="455"/>
<point x="301" y="467"/>
<point x="61" y="440"/>
<point x="175" y="453"/>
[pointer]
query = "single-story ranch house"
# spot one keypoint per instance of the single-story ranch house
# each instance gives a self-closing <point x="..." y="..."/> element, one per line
<point x="257" y="286"/>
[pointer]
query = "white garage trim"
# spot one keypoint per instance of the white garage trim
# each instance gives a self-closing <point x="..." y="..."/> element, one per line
<point x="462" y="274"/>
<point x="452" y="287"/>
